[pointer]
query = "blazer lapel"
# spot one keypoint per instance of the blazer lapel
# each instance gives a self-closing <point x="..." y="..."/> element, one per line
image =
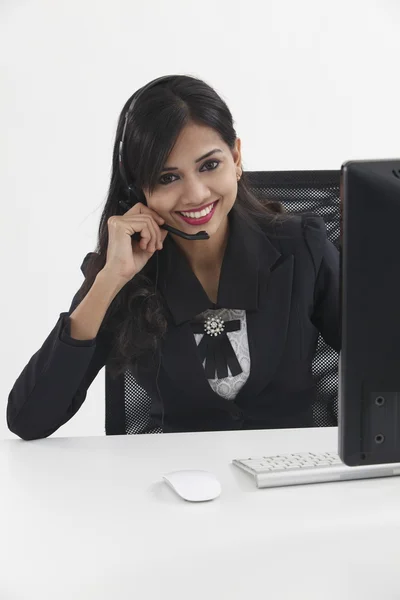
<point x="267" y="328"/>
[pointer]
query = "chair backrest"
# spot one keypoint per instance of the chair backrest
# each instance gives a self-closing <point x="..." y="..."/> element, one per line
<point x="315" y="192"/>
<point x="128" y="405"/>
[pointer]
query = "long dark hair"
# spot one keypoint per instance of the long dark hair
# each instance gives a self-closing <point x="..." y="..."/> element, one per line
<point x="136" y="319"/>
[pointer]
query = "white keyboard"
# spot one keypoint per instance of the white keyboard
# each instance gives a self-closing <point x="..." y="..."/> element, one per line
<point x="307" y="467"/>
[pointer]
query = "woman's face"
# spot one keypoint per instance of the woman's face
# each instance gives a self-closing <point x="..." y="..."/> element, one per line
<point x="192" y="194"/>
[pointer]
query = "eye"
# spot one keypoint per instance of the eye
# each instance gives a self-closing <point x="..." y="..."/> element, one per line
<point x="210" y="162"/>
<point x="164" y="181"/>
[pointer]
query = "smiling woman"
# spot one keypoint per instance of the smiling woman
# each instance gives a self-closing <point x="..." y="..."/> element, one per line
<point x="219" y="332"/>
<point x="181" y="156"/>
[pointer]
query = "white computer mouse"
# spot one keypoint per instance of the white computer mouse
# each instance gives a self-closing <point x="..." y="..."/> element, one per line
<point x="194" y="486"/>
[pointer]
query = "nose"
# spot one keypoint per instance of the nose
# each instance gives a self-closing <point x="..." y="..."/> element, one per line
<point x="195" y="192"/>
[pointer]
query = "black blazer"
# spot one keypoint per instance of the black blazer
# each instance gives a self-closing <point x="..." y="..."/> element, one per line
<point x="286" y="277"/>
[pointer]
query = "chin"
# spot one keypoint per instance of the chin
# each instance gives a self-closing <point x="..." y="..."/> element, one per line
<point x="221" y="222"/>
<point x="211" y="228"/>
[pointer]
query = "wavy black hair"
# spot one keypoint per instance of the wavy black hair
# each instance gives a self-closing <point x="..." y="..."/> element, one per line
<point x="136" y="319"/>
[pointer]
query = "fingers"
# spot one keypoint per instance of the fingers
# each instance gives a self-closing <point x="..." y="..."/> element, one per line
<point x="142" y="209"/>
<point x="141" y="219"/>
<point x="150" y="235"/>
<point x="153" y="239"/>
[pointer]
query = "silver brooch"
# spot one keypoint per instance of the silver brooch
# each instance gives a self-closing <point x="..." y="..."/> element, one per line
<point x="214" y="326"/>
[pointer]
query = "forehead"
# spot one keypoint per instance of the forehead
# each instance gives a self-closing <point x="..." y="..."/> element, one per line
<point x="194" y="139"/>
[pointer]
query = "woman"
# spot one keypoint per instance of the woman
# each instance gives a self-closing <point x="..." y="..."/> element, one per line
<point x="220" y="332"/>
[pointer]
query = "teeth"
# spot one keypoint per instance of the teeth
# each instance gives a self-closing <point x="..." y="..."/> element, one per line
<point x="199" y="214"/>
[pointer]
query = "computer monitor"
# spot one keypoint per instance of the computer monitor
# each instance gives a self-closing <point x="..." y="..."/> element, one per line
<point x="369" y="363"/>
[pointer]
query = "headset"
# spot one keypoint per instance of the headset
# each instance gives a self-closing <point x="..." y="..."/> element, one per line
<point x="201" y="235"/>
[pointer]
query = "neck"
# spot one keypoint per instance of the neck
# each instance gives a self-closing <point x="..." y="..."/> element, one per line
<point x="208" y="254"/>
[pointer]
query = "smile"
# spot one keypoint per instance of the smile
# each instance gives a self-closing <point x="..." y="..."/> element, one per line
<point x="199" y="213"/>
<point x="199" y="217"/>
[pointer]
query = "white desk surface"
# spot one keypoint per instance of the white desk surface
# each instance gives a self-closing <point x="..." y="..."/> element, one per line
<point x="90" y="518"/>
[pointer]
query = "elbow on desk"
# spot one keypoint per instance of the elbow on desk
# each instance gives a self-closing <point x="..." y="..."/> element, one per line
<point x="24" y="430"/>
<point x="25" y="434"/>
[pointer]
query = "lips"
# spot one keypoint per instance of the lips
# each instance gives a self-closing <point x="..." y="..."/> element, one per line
<point x="199" y="217"/>
<point x="198" y="212"/>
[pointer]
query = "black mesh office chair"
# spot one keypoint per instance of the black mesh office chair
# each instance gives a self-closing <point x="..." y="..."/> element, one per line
<point x="128" y="405"/>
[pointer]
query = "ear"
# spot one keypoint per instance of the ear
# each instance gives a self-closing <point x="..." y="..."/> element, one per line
<point x="237" y="153"/>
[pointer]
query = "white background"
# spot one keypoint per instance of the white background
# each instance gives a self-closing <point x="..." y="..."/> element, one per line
<point x="310" y="84"/>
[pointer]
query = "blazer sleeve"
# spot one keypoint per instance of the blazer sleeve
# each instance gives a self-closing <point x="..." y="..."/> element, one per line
<point x="325" y="257"/>
<point x="53" y="385"/>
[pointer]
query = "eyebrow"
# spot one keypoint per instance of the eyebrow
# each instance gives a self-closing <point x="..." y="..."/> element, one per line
<point x="196" y="161"/>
